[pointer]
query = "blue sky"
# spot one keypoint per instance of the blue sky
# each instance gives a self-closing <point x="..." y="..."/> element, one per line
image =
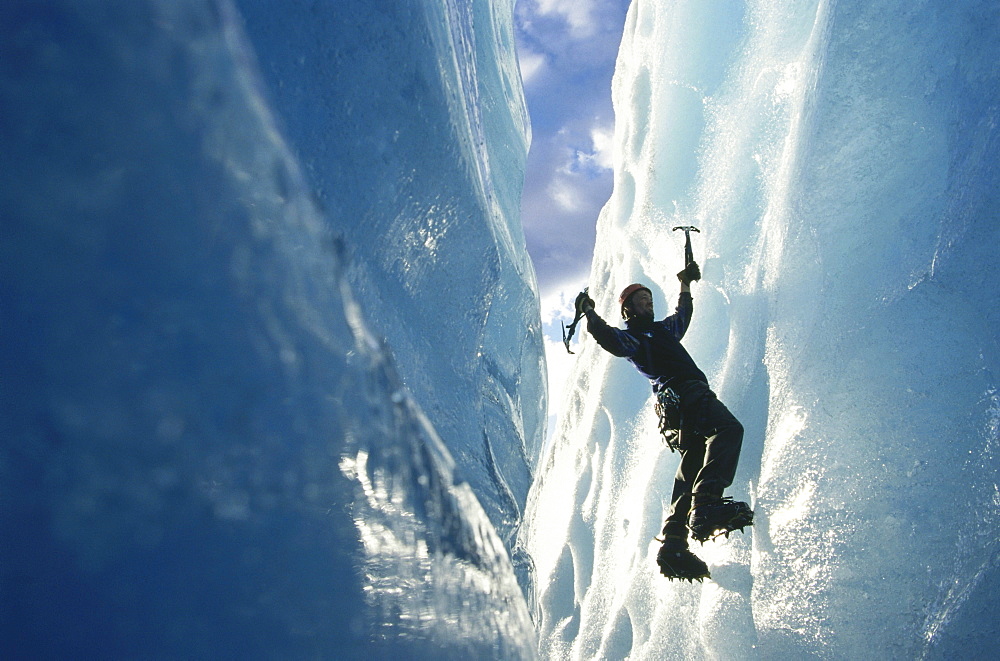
<point x="567" y="51"/>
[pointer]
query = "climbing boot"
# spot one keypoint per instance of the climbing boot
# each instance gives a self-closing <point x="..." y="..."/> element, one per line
<point x="712" y="516"/>
<point x="676" y="561"/>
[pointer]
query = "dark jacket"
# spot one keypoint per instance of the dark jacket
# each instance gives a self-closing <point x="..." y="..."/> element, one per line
<point x="654" y="347"/>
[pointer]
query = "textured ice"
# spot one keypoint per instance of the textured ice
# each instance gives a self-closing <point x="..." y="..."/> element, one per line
<point x="209" y="450"/>
<point x="409" y="122"/>
<point x="840" y="159"/>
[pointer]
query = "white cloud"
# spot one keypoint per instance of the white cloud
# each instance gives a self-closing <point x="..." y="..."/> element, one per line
<point x="531" y="64"/>
<point x="558" y="304"/>
<point x="600" y="155"/>
<point x="603" y="138"/>
<point x="578" y="14"/>
<point x="564" y="194"/>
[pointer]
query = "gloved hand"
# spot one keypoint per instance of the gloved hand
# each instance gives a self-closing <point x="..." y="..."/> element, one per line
<point x="690" y="274"/>
<point x="583" y="303"/>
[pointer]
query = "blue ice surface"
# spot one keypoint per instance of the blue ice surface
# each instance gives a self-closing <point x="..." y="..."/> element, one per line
<point x="209" y="450"/>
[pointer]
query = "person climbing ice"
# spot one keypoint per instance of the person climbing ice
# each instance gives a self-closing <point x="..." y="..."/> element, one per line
<point x="692" y="420"/>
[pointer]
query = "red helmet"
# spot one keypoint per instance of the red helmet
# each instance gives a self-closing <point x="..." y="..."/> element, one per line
<point x="627" y="294"/>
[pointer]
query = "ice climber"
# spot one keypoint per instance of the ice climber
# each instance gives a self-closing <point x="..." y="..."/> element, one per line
<point x="692" y="420"/>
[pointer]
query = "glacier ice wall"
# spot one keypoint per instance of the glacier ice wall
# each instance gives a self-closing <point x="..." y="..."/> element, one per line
<point x="409" y="120"/>
<point x="207" y="451"/>
<point x="841" y="160"/>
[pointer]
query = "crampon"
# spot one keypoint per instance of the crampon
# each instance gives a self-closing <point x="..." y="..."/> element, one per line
<point x="718" y="518"/>
<point x="681" y="564"/>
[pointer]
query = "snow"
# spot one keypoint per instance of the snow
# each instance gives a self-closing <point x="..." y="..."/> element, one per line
<point x="840" y="161"/>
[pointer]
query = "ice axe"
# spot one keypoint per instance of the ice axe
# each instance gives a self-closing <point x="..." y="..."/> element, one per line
<point x="569" y="330"/>
<point x="688" y="253"/>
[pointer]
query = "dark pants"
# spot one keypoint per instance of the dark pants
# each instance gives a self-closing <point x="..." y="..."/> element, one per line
<point x="711" y="439"/>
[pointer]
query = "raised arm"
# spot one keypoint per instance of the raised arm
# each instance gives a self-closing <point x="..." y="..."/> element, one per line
<point x="613" y="340"/>
<point x="679" y="321"/>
